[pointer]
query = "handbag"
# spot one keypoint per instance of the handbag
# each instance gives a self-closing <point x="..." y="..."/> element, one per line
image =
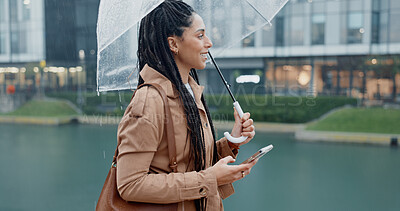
<point x="109" y="197"/>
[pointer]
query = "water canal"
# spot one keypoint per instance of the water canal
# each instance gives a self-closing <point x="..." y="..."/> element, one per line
<point x="64" y="167"/>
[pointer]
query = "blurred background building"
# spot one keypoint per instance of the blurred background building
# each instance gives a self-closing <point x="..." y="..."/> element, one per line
<point x="320" y="47"/>
<point x="315" y="47"/>
<point x="47" y="45"/>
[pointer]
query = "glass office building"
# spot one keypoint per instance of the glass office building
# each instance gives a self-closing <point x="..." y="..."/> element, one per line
<point x="319" y="47"/>
<point x="315" y="47"/>
<point x="20" y="22"/>
<point x="47" y="44"/>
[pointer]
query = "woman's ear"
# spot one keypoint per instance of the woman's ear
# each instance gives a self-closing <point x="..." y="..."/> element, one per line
<point x="172" y="44"/>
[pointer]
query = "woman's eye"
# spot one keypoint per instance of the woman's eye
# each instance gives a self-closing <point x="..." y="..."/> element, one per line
<point x="201" y="36"/>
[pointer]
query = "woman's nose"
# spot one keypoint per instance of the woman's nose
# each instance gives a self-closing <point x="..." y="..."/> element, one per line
<point x="209" y="44"/>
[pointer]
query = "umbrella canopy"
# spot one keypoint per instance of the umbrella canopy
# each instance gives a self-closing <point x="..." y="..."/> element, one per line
<point x="227" y="22"/>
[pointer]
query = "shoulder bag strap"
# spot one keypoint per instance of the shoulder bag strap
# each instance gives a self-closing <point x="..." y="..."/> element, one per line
<point x="168" y="128"/>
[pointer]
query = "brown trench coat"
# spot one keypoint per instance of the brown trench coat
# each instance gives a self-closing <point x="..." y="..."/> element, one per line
<point x="143" y="172"/>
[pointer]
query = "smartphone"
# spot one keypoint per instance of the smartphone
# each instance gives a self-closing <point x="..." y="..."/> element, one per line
<point x="259" y="154"/>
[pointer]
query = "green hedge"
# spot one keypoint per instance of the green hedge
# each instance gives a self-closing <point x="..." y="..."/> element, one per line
<point x="364" y="120"/>
<point x="265" y="108"/>
<point x="112" y="103"/>
<point x="44" y="108"/>
<point x="277" y="108"/>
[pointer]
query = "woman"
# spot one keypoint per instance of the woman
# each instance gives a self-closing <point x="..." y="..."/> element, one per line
<point x="172" y="44"/>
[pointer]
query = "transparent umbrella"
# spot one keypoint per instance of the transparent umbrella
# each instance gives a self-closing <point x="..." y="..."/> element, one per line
<point x="227" y="22"/>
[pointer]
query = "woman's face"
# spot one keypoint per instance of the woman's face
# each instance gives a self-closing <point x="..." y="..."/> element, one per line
<point x="193" y="46"/>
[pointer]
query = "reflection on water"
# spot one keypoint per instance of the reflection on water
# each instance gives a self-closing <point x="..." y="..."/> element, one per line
<point x="63" y="168"/>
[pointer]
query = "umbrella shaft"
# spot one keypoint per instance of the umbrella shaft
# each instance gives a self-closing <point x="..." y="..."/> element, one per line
<point x="222" y="77"/>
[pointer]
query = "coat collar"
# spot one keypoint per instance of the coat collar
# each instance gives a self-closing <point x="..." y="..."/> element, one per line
<point x="197" y="91"/>
<point x="150" y="75"/>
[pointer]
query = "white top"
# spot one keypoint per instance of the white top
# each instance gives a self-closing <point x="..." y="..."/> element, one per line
<point x="190" y="90"/>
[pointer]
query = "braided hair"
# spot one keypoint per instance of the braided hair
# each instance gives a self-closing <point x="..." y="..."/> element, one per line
<point x="169" y="19"/>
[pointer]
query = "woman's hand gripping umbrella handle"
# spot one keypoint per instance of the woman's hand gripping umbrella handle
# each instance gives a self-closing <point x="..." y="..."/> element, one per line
<point x="228" y="135"/>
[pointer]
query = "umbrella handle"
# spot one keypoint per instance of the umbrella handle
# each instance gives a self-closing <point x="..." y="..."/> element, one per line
<point x="228" y="135"/>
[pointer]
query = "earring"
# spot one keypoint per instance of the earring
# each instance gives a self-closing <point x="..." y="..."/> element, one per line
<point x="176" y="52"/>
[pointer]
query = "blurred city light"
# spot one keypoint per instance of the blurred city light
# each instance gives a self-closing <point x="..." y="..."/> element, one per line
<point x="304" y="78"/>
<point x="248" y="79"/>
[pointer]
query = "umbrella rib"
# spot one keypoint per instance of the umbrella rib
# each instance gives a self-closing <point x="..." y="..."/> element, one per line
<point x="282" y="5"/>
<point x="258" y="11"/>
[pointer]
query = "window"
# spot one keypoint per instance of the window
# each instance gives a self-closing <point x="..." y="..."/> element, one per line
<point x="384" y="4"/>
<point x="2" y="43"/>
<point x="395" y="4"/>
<point x="80" y="15"/>
<point x="375" y="27"/>
<point x="355" y="28"/>
<point x="26" y="9"/>
<point x="375" y="21"/>
<point x="22" y="42"/>
<point x="14" y="43"/>
<point x="318" y="7"/>
<point x="384" y="27"/>
<point x="18" y="42"/>
<point x="376" y="5"/>
<point x="218" y="32"/>
<point x="2" y="11"/>
<point x="268" y="35"/>
<point x="279" y="32"/>
<point x="248" y="41"/>
<point x="297" y="30"/>
<point x="13" y="10"/>
<point x="318" y="29"/>
<point x="249" y="27"/>
<point x="394" y="27"/>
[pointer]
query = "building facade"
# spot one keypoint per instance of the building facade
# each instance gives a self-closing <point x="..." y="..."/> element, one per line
<point x="314" y="47"/>
<point x="47" y="45"/>
<point x="319" y="47"/>
<point x="20" y="22"/>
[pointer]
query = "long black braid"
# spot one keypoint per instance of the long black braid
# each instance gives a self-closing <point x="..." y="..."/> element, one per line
<point x="169" y="19"/>
<point x="193" y="73"/>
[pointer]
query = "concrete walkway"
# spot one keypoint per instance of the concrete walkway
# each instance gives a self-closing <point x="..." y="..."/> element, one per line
<point x="301" y="134"/>
<point x="347" y="137"/>
<point x="99" y="119"/>
<point x="220" y="126"/>
<point x="263" y="126"/>
<point x="38" y="120"/>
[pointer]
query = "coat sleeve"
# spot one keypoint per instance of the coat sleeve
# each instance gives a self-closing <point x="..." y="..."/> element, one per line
<point x="139" y="137"/>
<point x="224" y="150"/>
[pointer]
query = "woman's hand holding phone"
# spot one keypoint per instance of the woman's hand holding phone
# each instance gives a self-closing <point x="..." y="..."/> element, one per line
<point x="230" y="173"/>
